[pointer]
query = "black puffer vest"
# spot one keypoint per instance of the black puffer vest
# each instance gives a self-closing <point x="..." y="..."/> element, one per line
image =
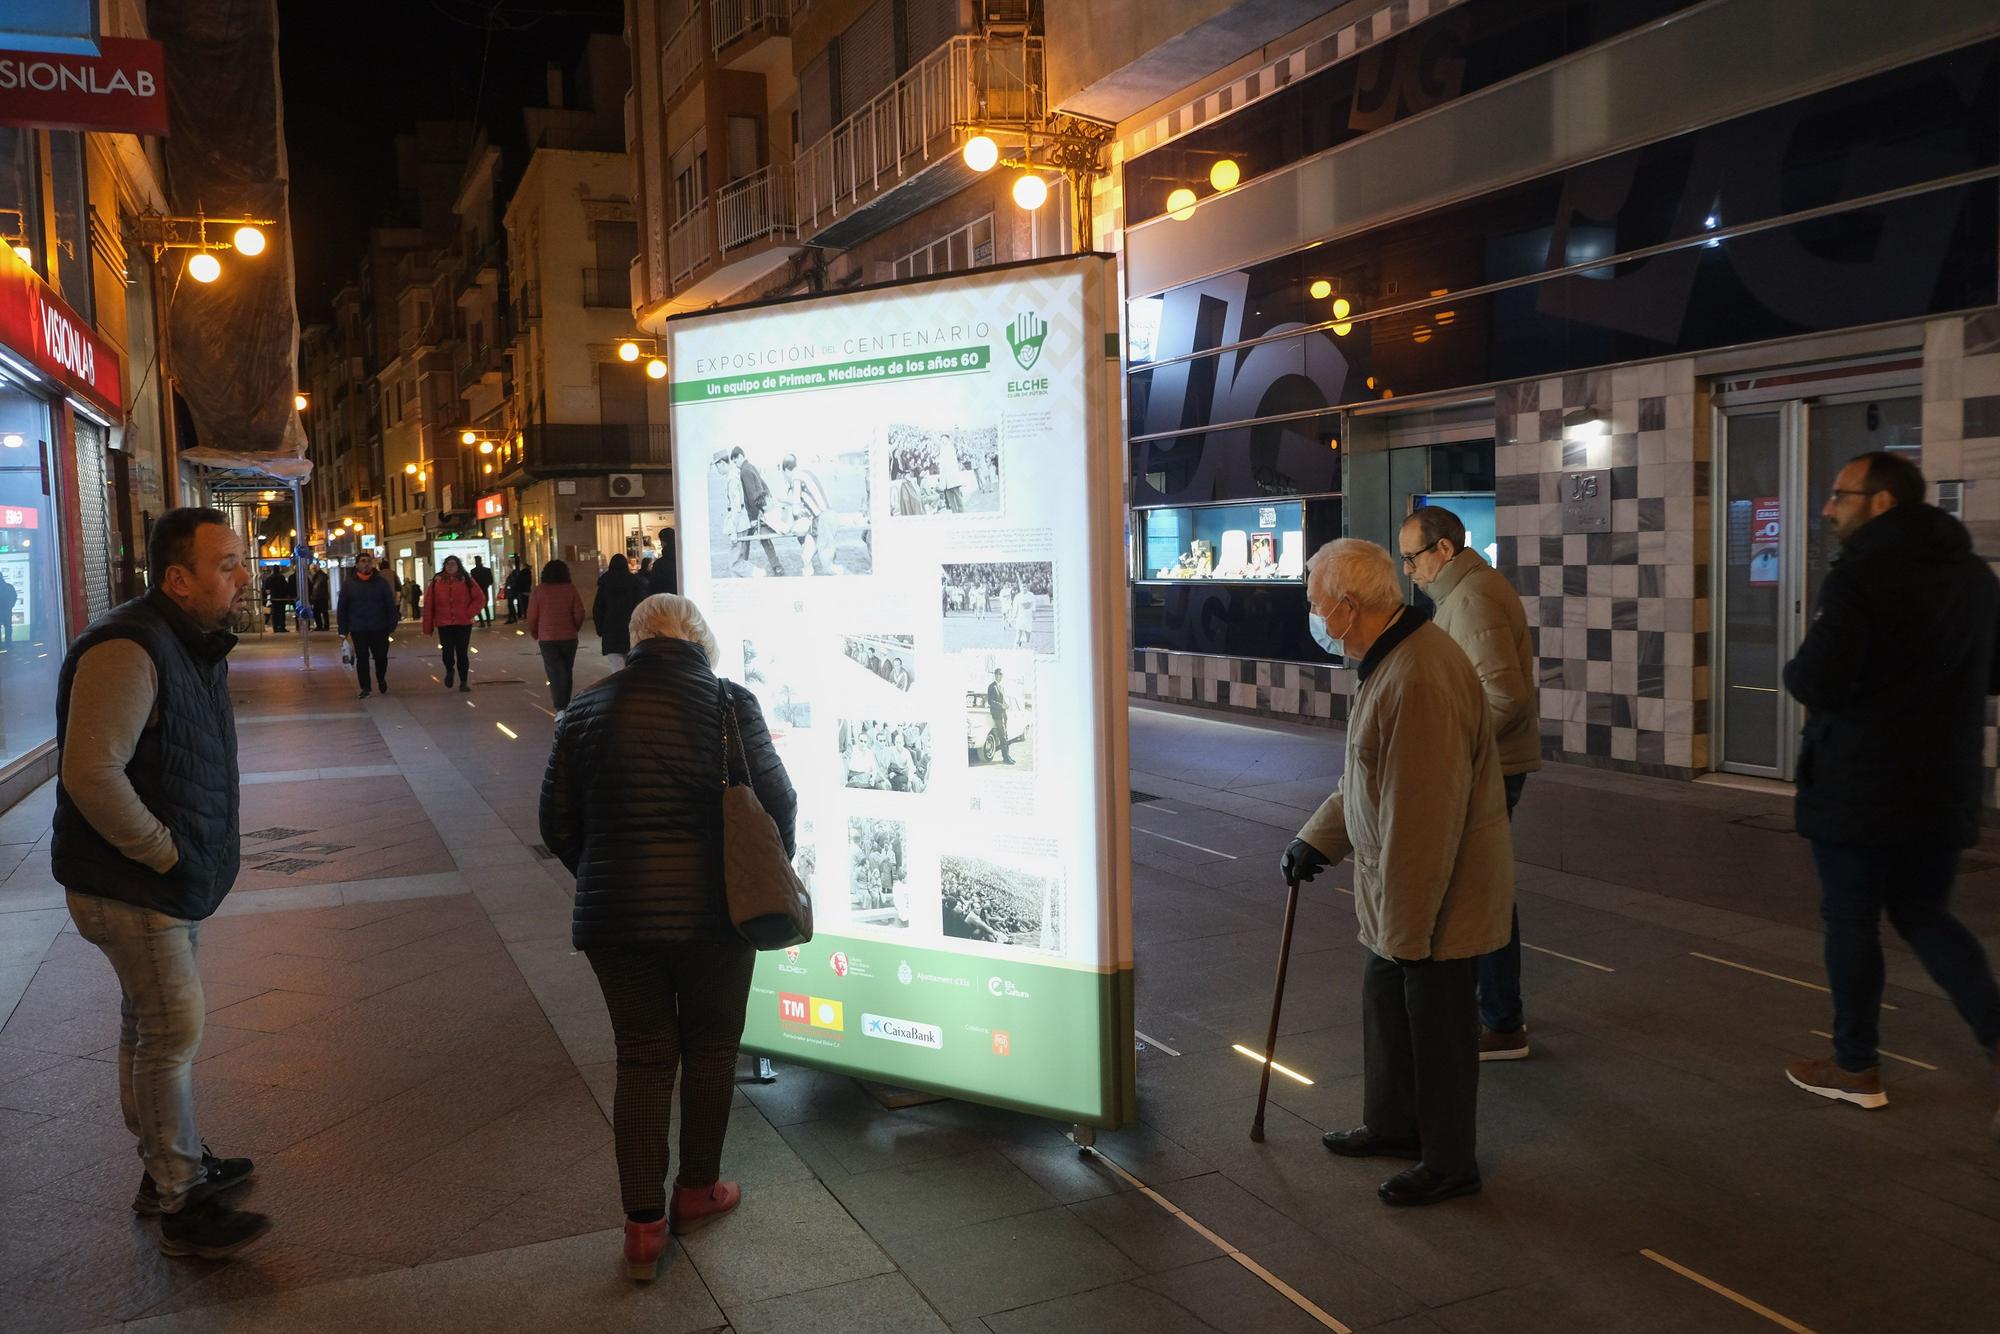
<point x="184" y="768"/>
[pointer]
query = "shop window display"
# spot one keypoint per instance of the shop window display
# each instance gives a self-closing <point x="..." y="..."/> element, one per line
<point x="1238" y="542"/>
<point x="32" y="629"/>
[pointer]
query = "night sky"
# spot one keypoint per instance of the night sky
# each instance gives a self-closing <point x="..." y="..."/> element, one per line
<point x="356" y="72"/>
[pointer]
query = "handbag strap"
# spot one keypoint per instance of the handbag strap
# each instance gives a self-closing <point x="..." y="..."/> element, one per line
<point x="730" y="726"/>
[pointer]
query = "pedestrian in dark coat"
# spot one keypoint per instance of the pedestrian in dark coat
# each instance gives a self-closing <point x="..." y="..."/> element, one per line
<point x="368" y="616"/>
<point x="632" y="803"/>
<point x="619" y="592"/>
<point x="1894" y="673"/>
<point x="665" y="576"/>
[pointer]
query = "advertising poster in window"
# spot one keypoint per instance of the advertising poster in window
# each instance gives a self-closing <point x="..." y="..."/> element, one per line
<point x="900" y="510"/>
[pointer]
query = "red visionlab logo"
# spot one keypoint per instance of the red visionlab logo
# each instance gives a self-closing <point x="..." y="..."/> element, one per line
<point x="792" y="1009"/>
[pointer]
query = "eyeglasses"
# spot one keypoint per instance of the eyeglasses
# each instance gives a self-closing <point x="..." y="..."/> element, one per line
<point x="1838" y="492"/>
<point x="1410" y="557"/>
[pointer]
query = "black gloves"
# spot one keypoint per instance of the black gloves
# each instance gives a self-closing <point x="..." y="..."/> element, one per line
<point x="1301" y="862"/>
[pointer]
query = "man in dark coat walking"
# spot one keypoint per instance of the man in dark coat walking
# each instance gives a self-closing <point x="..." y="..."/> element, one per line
<point x="482" y="575"/>
<point x="665" y="575"/>
<point x="368" y="617"/>
<point x="146" y="844"/>
<point x="1894" y="672"/>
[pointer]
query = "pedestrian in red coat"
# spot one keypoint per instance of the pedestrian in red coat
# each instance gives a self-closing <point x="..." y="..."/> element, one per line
<point x="452" y="604"/>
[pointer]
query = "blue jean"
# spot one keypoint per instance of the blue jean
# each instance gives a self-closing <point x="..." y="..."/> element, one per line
<point x="159" y="1032"/>
<point x="1913" y="885"/>
<point x="1500" y="971"/>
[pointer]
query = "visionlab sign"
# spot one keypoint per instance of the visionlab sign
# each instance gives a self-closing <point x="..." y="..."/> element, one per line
<point x="35" y="324"/>
<point x="124" y="90"/>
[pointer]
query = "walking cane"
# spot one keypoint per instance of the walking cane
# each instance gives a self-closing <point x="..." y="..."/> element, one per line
<point x="1277" y="1001"/>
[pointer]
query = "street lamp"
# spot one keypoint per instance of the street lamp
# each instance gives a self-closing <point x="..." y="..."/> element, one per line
<point x="1071" y="145"/>
<point x="299" y="402"/>
<point x="161" y="232"/>
<point x="656" y="366"/>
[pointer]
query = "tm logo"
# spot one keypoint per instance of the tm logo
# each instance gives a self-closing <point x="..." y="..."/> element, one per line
<point x="1026" y="335"/>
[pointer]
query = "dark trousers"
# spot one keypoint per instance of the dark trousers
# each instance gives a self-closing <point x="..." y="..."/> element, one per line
<point x="321" y="612"/>
<point x="454" y="641"/>
<point x="278" y="617"/>
<point x="371" y="644"/>
<point x="1420" y="1053"/>
<point x="517" y="607"/>
<point x="673" y="1007"/>
<point x="1500" y="971"/>
<point x="559" y="661"/>
<point x="485" y="616"/>
<point x="1913" y="884"/>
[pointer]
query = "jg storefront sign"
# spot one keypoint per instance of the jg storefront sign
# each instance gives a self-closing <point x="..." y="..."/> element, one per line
<point x="123" y="90"/>
<point x="55" y="340"/>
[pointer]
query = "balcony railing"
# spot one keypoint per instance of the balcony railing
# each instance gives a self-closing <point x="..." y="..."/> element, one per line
<point x="680" y="59"/>
<point x="478" y="364"/>
<point x="565" y="448"/>
<point x="691" y="244"/>
<point x="608" y="289"/>
<point x="730" y="19"/>
<point x="909" y="125"/>
<point x="758" y="206"/>
<point x="527" y="307"/>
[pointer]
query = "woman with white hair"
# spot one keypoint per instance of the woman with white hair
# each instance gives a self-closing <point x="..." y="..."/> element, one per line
<point x="632" y="803"/>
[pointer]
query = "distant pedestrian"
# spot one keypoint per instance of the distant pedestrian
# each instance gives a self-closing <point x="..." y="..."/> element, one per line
<point x="9" y="598"/>
<point x="1422" y="806"/>
<point x="454" y="601"/>
<point x="1894" y="673"/>
<point x="555" y="618"/>
<point x="645" y="570"/>
<point x="632" y="803"/>
<point x="146" y="846"/>
<point x="619" y="592"/>
<point x="319" y="589"/>
<point x="665" y="576"/>
<point x="520" y="582"/>
<point x="1482" y="613"/>
<point x="278" y="595"/>
<point x="484" y="578"/>
<point x="367" y="615"/>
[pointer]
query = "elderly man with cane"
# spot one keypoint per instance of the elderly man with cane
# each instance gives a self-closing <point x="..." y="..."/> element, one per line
<point x="1422" y="808"/>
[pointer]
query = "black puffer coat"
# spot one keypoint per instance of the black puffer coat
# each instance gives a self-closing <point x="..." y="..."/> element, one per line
<point x="1895" y="672"/>
<point x="632" y="801"/>
<point x="619" y="593"/>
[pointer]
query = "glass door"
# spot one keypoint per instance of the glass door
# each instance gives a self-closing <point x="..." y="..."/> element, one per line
<point x="1758" y="514"/>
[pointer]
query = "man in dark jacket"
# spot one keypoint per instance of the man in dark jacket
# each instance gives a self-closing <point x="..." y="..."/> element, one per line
<point x="483" y="576"/>
<point x="146" y="841"/>
<point x="520" y="585"/>
<point x="278" y="593"/>
<point x="665" y="577"/>
<point x="368" y="616"/>
<point x="1894" y="672"/>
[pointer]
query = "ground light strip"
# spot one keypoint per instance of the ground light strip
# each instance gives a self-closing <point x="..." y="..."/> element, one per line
<point x="1737" y="1297"/>
<point x="1906" y="1060"/>
<point x="1539" y="949"/>
<point x="1775" y="977"/>
<point x="1284" y="1289"/>
<point x="1154" y="1042"/>
<point x="1258" y="1057"/>
<point x="512" y="735"/>
<point x="1184" y="843"/>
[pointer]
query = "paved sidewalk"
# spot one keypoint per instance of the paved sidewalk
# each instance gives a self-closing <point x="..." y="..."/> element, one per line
<point x="400" y="1033"/>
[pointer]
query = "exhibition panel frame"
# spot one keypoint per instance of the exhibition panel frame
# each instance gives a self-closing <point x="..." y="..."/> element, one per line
<point x="901" y="508"/>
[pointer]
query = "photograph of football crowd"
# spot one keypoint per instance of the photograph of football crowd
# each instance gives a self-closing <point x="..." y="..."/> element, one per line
<point x="878" y="873"/>
<point x="999" y="710"/>
<point x="1003" y="905"/>
<point x="766" y="672"/>
<point x="944" y="472"/>
<point x="1000" y="605"/>
<point x="892" y="658"/>
<point x="885" y="757"/>
<point x="789" y="511"/>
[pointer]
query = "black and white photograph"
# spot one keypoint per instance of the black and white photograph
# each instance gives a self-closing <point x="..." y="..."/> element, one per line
<point x="885" y="756"/>
<point x="805" y="857"/>
<point x="888" y="658"/>
<point x="1000" y="605"/>
<point x="788" y="511"/>
<point x="878" y="873"/>
<point x="954" y="471"/>
<point x="999" y="695"/>
<point x="769" y="671"/>
<point x="1002" y="905"/>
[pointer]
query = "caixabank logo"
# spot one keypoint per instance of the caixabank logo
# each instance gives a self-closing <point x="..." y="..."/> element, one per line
<point x="1026" y="334"/>
<point x="907" y="1031"/>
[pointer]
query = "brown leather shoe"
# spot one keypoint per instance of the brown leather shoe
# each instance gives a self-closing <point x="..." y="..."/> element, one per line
<point x="1863" y="1088"/>
<point x="697" y="1206"/>
<point x="1503" y="1046"/>
<point x="643" y="1244"/>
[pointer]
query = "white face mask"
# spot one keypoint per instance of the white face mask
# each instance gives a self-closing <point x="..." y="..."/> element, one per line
<point x="1322" y="633"/>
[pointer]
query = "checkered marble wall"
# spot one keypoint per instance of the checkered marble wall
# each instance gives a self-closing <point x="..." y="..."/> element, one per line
<point x="1289" y="691"/>
<point x="1620" y="618"/>
<point x="1962" y="442"/>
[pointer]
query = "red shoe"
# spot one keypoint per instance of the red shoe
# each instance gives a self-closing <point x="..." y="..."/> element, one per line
<point x="643" y="1244"/>
<point x="695" y="1206"/>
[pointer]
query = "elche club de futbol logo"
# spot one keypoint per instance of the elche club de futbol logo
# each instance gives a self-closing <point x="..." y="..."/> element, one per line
<point x="1025" y="335"/>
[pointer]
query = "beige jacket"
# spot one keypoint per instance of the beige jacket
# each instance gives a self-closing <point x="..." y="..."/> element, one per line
<point x="1480" y="610"/>
<point x="1421" y="804"/>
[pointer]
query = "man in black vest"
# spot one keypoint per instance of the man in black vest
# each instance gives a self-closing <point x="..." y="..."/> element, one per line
<point x="146" y="841"/>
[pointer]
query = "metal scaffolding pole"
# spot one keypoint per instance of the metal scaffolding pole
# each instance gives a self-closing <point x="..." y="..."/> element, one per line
<point x="301" y="606"/>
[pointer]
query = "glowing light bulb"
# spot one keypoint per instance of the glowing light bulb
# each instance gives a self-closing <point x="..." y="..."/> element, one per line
<point x="656" y="369"/>
<point x="1180" y="204"/>
<point x="299" y="402"/>
<point x="248" y="240"/>
<point x="467" y="437"/>
<point x="12" y="440"/>
<point x="1321" y="289"/>
<point x="981" y="153"/>
<point x="1342" y="308"/>
<point x="1225" y="174"/>
<point x="628" y="351"/>
<point x="1031" y="192"/>
<point x="485" y="446"/>
<point x="204" y="268"/>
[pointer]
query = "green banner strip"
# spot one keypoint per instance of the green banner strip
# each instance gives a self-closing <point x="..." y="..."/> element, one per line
<point x="835" y="375"/>
<point x="1052" y="1041"/>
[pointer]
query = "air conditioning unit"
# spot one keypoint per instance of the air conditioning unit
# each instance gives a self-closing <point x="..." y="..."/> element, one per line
<point x="627" y="484"/>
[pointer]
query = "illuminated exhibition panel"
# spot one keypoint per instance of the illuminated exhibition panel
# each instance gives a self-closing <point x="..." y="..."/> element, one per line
<point x="900" y="509"/>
